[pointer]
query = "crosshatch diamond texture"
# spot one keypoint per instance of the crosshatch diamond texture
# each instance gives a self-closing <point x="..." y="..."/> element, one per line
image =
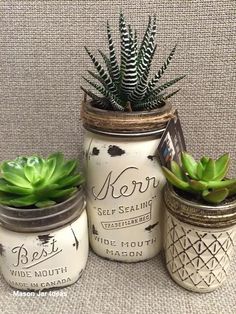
<point x="197" y="258"/>
<point x="42" y="61"/>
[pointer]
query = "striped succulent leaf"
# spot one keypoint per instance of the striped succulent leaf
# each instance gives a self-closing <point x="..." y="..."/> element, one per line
<point x="146" y="50"/>
<point x="115" y="71"/>
<point x="130" y="77"/>
<point x="102" y="72"/>
<point x="115" y="104"/>
<point x="125" y="86"/>
<point x="101" y="103"/>
<point x="145" y="40"/>
<point x="151" y="103"/>
<point x="158" y="75"/>
<point x="125" y="44"/>
<point x="141" y="88"/>
<point x="171" y="94"/>
<point x="99" y="88"/>
<point x="162" y="87"/>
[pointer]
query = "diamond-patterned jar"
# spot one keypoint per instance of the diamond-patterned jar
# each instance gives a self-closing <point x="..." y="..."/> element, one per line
<point x="199" y="241"/>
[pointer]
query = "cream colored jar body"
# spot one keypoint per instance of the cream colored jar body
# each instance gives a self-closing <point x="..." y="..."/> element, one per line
<point x="198" y="259"/>
<point x="199" y="242"/>
<point x="52" y="258"/>
<point x="124" y="187"/>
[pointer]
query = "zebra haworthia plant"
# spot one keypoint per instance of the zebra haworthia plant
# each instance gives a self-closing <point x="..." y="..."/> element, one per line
<point x="206" y="178"/>
<point x="35" y="181"/>
<point x="125" y="86"/>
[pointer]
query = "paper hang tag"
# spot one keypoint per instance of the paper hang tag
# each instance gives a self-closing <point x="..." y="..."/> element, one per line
<point x="172" y="142"/>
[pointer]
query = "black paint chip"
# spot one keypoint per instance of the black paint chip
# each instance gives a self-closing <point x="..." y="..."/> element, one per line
<point x="114" y="151"/>
<point x="94" y="230"/>
<point x="151" y="157"/>
<point x="45" y="238"/>
<point x="76" y="243"/>
<point x="2" y="250"/>
<point x="95" y="151"/>
<point x="150" y="227"/>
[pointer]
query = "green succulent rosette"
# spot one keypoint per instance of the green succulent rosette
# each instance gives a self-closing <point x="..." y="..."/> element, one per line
<point x="35" y="181"/>
<point x="206" y="178"/>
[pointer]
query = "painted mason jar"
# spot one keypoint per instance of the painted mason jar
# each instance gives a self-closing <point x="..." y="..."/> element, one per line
<point x="46" y="247"/>
<point x="124" y="183"/>
<point x="199" y="241"/>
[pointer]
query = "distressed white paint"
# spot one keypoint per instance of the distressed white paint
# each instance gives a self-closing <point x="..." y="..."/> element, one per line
<point x="198" y="258"/>
<point x="28" y="262"/>
<point x="124" y="182"/>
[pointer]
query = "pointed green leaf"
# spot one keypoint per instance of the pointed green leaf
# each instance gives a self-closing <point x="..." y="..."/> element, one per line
<point x="204" y="160"/>
<point x="48" y="169"/>
<point x="215" y="196"/>
<point x="189" y="165"/>
<point x="15" y="189"/>
<point x="222" y="166"/>
<point x="35" y="162"/>
<point x="12" y="167"/>
<point x="46" y="203"/>
<point x="174" y="180"/>
<point x="62" y="193"/>
<point x="5" y="198"/>
<point x="209" y="171"/>
<point x="16" y="180"/>
<point x="30" y="173"/>
<point x="178" y="171"/>
<point x="222" y="162"/>
<point x="221" y="184"/>
<point x="200" y="170"/>
<point x="71" y="181"/>
<point x="44" y="190"/>
<point x="23" y="201"/>
<point x="69" y="167"/>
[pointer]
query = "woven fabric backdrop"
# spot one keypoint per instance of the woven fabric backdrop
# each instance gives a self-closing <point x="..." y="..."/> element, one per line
<point x="42" y="60"/>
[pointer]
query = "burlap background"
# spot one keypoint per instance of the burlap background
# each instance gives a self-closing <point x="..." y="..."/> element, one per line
<point x="41" y="62"/>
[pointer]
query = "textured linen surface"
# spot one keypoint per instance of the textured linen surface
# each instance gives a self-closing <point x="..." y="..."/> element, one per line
<point x="42" y="60"/>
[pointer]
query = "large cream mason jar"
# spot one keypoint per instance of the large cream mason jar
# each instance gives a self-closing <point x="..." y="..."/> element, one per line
<point x="46" y="247"/>
<point x="124" y="182"/>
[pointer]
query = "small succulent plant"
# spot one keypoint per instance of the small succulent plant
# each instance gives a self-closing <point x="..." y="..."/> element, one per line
<point x="125" y="86"/>
<point x="35" y="181"/>
<point x="206" y="178"/>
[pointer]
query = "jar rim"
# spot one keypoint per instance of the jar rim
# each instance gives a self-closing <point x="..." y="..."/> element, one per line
<point x="35" y="219"/>
<point x="129" y="123"/>
<point x="205" y="215"/>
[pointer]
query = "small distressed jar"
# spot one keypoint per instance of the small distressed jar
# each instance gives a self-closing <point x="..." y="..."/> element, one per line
<point x="199" y="241"/>
<point x="45" y="247"/>
<point x="124" y="181"/>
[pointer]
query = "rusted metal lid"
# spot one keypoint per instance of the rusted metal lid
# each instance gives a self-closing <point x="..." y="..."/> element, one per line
<point x="200" y="214"/>
<point x="41" y="219"/>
